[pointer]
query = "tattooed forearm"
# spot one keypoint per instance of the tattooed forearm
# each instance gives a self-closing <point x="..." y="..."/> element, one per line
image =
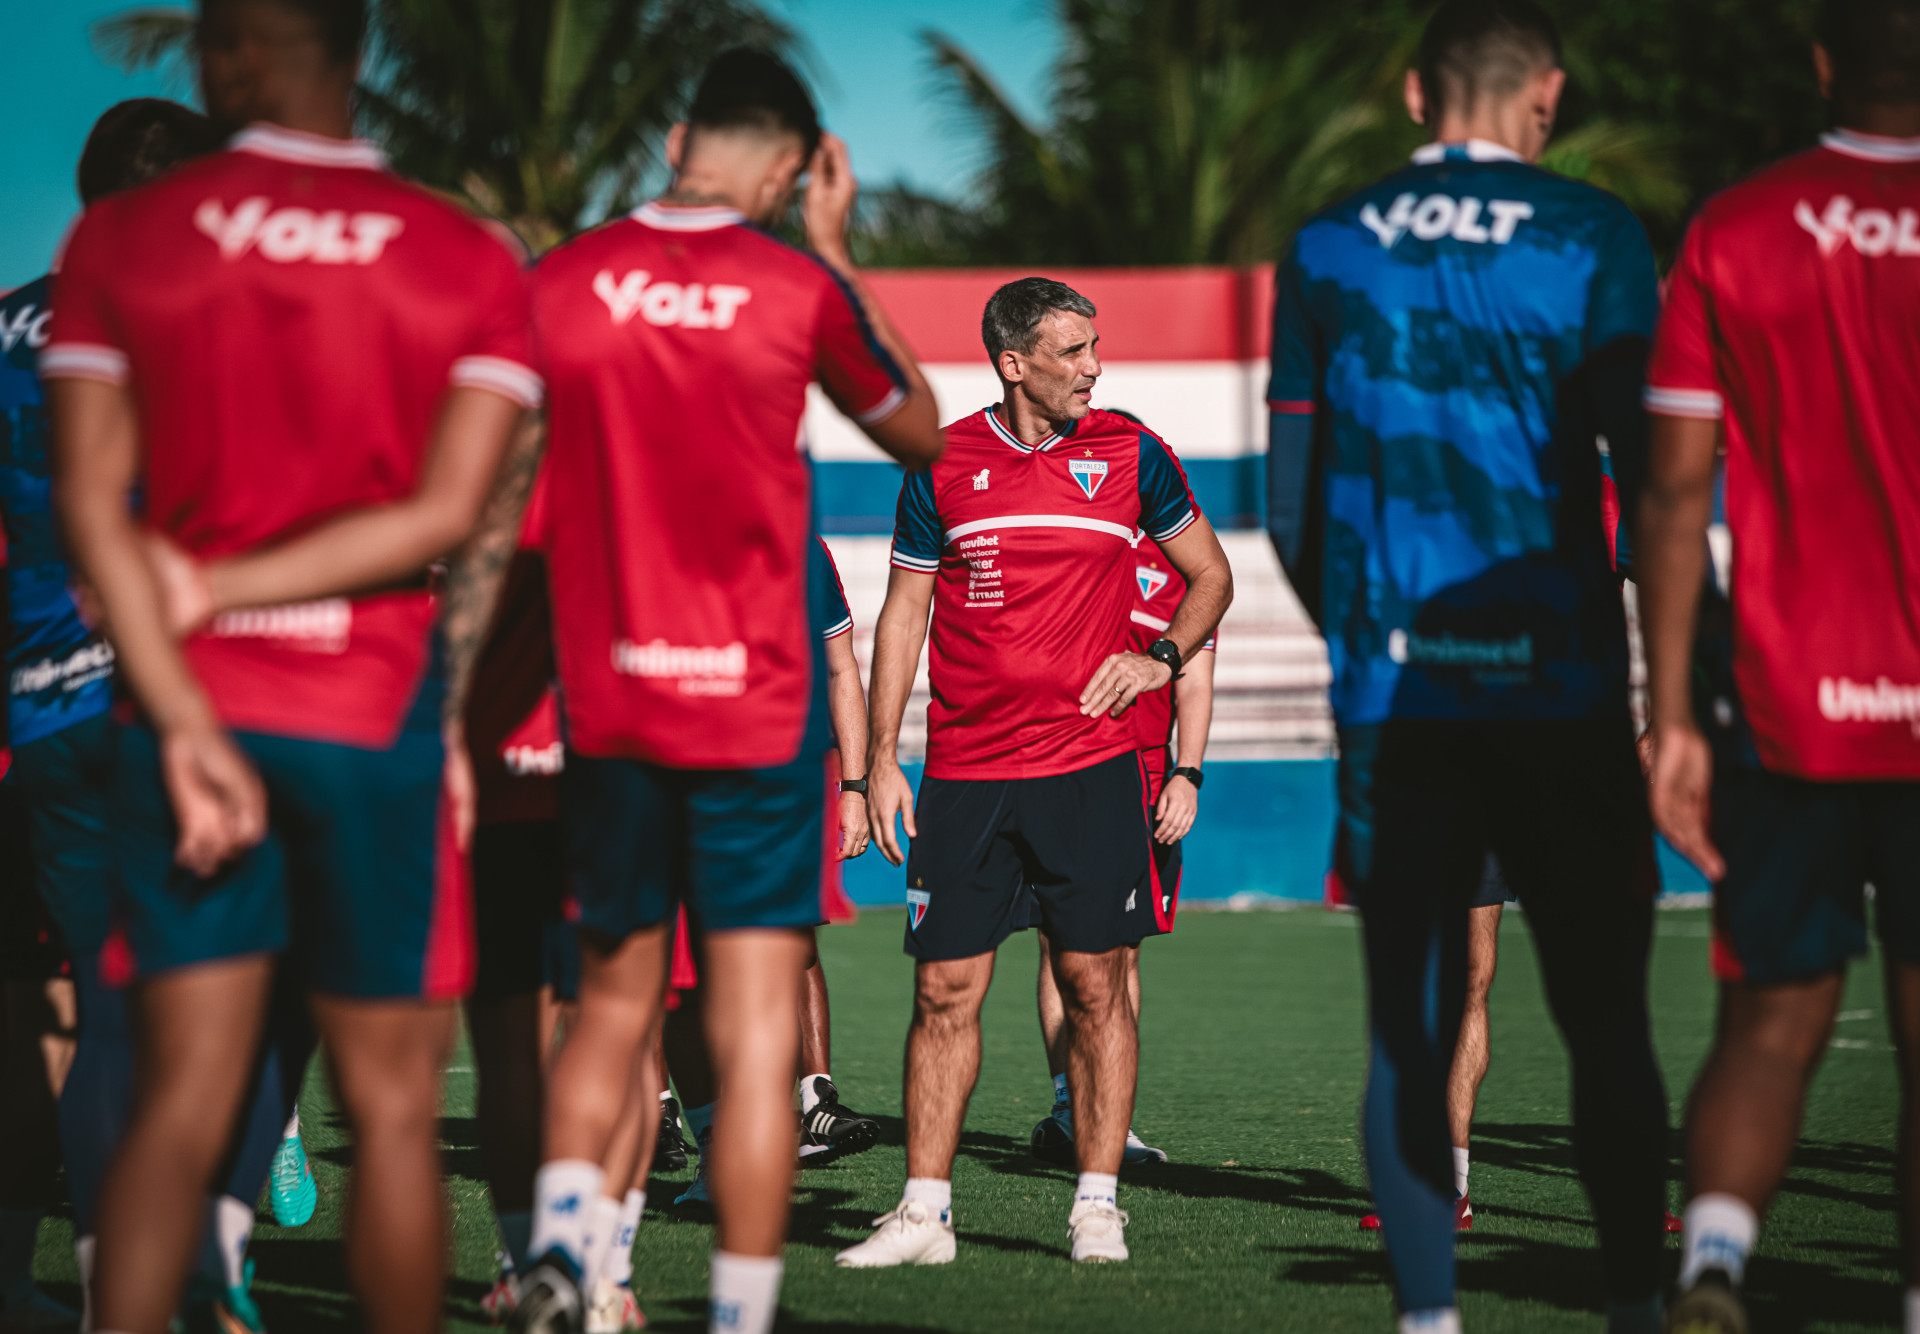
<point x="474" y="575"/>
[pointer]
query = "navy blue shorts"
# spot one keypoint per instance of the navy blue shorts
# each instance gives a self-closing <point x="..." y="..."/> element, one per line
<point x="1494" y="890"/>
<point x="741" y="847"/>
<point x="1800" y="855"/>
<point x="62" y="780"/>
<point x="1066" y="852"/>
<point x="357" y="873"/>
<point x="519" y="896"/>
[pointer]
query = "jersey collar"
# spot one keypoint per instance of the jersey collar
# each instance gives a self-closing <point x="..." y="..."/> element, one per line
<point x="1000" y="429"/>
<point x="1872" y="147"/>
<point x="312" y="150"/>
<point x="1473" y="150"/>
<point x="675" y="218"/>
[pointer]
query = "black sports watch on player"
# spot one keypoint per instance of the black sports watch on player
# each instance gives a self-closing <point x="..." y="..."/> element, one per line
<point x="860" y="785"/>
<point x="1191" y="774"/>
<point x="1165" y="650"/>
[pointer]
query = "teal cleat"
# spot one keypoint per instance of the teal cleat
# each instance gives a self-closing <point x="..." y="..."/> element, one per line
<point x="295" y="1193"/>
<point x="229" y="1312"/>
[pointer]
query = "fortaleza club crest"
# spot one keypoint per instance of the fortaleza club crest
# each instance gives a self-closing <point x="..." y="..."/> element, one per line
<point x="1151" y="581"/>
<point x="1089" y="473"/>
<point x="917" y="901"/>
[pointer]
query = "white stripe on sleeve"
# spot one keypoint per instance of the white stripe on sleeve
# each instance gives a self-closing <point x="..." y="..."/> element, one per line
<point x="85" y="361"/>
<point x="509" y="379"/>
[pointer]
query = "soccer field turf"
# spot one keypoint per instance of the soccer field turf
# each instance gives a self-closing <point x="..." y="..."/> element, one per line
<point x="1250" y="1078"/>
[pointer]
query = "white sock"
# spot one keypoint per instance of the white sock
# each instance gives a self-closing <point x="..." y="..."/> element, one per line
<point x="1060" y="1093"/>
<point x="293" y="1126"/>
<point x="603" y="1229"/>
<point x="232" y="1226"/>
<point x="809" y="1095"/>
<point x="935" y="1193"/>
<point x="1720" y="1232"/>
<point x="1459" y="1171"/>
<point x="1913" y="1311"/>
<point x="745" y="1291"/>
<point x="562" y="1190"/>
<point x="83" y="1261"/>
<point x="1441" y="1320"/>
<point x="619" y="1262"/>
<point x="1097" y="1186"/>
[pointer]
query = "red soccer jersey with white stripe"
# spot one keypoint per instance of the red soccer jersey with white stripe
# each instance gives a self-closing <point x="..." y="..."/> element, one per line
<point x="288" y="317"/>
<point x="1157" y="589"/>
<point x="679" y="344"/>
<point x="1031" y="548"/>
<point x="1794" y="314"/>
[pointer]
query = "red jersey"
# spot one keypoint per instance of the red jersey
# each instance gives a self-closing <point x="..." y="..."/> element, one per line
<point x="679" y="344"/>
<point x="1157" y="589"/>
<point x="1031" y="548"/>
<point x="288" y="317"/>
<point x="1794" y="314"/>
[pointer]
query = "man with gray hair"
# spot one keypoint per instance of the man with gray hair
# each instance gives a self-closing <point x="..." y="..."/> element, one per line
<point x="1018" y="542"/>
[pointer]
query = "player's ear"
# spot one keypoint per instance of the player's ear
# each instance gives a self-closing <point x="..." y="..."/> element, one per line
<point x="1010" y="367"/>
<point x="1547" y="87"/>
<point x="676" y="144"/>
<point x="1823" y="70"/>
<point x="1416" y="96"/>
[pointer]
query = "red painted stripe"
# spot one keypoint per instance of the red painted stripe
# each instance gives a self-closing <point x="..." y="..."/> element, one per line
<point x="1184" y="314"/>
<point x="835" y="906"/>
<point x="452" y="950"/>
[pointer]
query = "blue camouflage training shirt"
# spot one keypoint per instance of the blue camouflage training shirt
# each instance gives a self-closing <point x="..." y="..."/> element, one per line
<point x="1451" y="346"/>
<point x="59" y="672"/>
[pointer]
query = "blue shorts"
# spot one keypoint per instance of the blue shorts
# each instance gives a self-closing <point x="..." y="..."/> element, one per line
<point x="1800" y="855"/>
<point x="741" y="847"/>
<point x="62" y="779"/>
<point x="357" y="873"/>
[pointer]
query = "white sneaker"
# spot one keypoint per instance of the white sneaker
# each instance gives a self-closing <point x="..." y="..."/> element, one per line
<point x="911" y="1235"/>
<point x="1098" y="1230"/>
<point x="1139" y="1151"/>
<point x="613" y="1309"/>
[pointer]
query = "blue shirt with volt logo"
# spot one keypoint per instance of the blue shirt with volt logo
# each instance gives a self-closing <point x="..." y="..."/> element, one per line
<point x="59" y="672"/>
<point x="1451" y="348"/>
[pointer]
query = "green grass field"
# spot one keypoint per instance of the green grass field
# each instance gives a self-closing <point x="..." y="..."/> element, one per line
<point x="1250" y="1078"/>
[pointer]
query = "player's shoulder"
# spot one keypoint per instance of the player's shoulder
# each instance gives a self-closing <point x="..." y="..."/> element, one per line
<point x="1769" y="197"/>
<point x="1105" y="427"/>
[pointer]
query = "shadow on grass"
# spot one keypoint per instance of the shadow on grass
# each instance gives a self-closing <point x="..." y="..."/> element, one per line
<point x="688" y="1316"/>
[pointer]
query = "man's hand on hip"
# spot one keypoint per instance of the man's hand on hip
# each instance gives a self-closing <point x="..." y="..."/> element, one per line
<point x="1122" y="678"/>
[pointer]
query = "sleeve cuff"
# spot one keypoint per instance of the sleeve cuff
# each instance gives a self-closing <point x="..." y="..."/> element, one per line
<point x="920" y="563"/>
<point x="1179" y="526"/>
<point x="1701" y="403"/>
<point x="884" y="409"/>
<point x="85" y="361"/>
<point x="845" y="627"/>
<point x="509" y="379"/>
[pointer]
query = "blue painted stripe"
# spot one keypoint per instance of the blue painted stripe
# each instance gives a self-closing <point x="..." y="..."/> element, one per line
<point x="1265" y="828"/>
<point x="858" y="497"/>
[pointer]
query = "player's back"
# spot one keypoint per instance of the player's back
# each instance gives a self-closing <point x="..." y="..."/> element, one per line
<point x="1441" y="323"/>
<point x="288" y="317"/>
<point x="1794" y="315"/>
<point x="679" y="344"/>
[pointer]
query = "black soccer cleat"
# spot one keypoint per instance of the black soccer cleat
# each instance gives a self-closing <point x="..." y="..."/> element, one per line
<point x="1710" y="1306"/>
<point x="831" y="1131"/>
<point x="1052" y="1140"/>
<point x="670" y="1148"/>
<point x="550" y="1301"/>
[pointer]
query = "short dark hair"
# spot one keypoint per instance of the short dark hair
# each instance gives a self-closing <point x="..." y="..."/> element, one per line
<point x="1013" y="314"/>
<point x="342" y="23"/>
<point x="746" y="88"/>
<point x="1483" y="48"/>
<point x="1875" y="45"/>
<point x="140" y="139"/>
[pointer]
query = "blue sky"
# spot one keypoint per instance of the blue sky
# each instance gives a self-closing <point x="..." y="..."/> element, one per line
<point x="872" y="79"/>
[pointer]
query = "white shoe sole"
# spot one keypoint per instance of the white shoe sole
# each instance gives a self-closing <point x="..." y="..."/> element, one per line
<point x="938" y="1253"/>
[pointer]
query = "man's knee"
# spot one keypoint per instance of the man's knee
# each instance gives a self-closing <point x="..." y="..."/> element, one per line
<point x="1788" y="1024"/>
<point x="949" y="993"/>
<point x="1093" y="986"/>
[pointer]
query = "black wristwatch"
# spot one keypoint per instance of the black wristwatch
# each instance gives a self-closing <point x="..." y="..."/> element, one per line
<point x="860" y="785"/>
<point x="1191" y="774"/>
<point x="1165" y="650"/>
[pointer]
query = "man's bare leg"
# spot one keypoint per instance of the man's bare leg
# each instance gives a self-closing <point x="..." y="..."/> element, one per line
<point x="387" y="1058"/>
<point x="1745" y="1113"/>
<point x="1473" y="1052"/>
<point x="1053" y="1013"/>
<point x="194" y="1029"/>
<point x="1103" y="1053"/>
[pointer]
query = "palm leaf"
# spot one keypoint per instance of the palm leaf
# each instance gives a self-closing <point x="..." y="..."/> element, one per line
<point x="140" y="38"/>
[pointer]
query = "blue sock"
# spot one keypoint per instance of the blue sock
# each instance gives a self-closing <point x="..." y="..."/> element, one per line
<point x="1060" y="1094"/>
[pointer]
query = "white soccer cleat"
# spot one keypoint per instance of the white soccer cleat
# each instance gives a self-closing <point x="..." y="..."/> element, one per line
<point x="1099" y="1232"/>
<point x="613" y="1309"/>
<point x="911" y="1235"/>
<point x="1138" y="1151"/>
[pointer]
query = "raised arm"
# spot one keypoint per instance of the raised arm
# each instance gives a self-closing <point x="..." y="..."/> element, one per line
<point x="898" y="637"/>
<point x="217" y="797"/>
<point x="1674" y="512"/>
<point x="910" y="432"/>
